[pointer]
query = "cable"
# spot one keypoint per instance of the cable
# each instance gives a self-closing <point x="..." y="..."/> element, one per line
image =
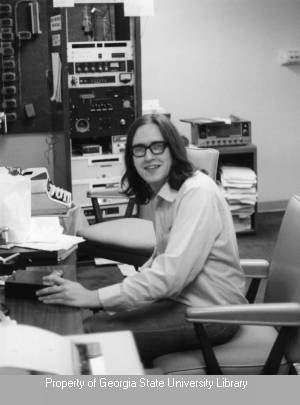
<point x="51" y="140"/>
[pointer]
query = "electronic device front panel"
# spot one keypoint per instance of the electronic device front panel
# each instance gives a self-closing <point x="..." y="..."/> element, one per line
<point x="216" y="134"/>
<point x="102" y="111"/>
<point x="96" y="64"/>
<point x="101" y="88"/>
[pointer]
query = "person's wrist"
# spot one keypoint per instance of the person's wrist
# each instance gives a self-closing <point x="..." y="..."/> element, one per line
<point x="94" y="301"/>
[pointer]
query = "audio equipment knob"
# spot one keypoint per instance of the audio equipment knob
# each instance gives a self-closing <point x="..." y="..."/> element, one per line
<point x="82" y="125"/>
<point x="73" y="81"/>
<point x="126" y="104"/>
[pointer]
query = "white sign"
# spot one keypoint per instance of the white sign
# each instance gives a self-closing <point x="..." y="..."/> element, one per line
<point x="56" y="40"/>
<point x="55" y="22"/>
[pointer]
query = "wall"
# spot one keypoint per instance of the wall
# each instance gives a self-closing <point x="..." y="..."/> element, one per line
<point x="29" y="142"/>
<point x="27" y="150"/>
<point x="32" y="90"/>
<point x="216" y="57"/>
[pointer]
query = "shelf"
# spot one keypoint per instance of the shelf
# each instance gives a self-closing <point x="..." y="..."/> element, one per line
<point x="237" y="149"/>
<point x="243" y="156"/>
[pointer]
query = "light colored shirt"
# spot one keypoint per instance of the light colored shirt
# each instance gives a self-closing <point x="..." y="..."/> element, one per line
<point x="196" y="260"/>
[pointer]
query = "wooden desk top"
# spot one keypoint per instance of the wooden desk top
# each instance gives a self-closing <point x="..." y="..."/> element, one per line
<point x="56" y="318"/>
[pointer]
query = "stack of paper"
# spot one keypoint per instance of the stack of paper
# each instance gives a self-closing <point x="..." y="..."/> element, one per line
<point x="46" y="233"/>
<point x="239" y="185"/>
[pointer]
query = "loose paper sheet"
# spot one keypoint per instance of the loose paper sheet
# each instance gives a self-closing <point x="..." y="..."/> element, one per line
<point x="31" y="348"/>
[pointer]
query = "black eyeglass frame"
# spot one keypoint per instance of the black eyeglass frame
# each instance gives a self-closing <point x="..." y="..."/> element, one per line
<point x="163" y="144"/>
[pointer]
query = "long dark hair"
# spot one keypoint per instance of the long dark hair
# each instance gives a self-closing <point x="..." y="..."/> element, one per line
<point x="132" y="183"/>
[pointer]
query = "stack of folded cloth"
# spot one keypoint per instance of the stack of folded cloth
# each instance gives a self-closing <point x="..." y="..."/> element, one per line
<point x="239" y="185"/>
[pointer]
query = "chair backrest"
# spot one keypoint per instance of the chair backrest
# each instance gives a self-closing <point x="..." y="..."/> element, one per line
<point x="202" y="159"/>
<point x="205" y="159"/>
<point x="284" y="280"/>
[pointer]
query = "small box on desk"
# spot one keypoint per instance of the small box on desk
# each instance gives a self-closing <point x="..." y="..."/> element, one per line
<point x="34" y="257"/>
<point x="24" y="284"/>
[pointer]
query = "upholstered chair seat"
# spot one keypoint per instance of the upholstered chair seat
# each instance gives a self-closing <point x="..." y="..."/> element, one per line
<point x="244" y="354"/>
<point x="127" y="240"/>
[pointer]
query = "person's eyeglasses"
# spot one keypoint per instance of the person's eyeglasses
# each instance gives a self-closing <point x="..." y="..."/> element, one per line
<point x="157" y="148"/>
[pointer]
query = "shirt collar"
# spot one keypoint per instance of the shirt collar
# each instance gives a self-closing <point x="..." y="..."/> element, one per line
<point x="167" y="193"/>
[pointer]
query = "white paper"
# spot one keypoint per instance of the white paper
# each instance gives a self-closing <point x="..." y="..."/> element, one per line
<point x="46" y="233"/>
<point x="63" y="3"/>
<point x="15" y="206"/>
<point x="97" y="366"/>
<point x="140" y="8"/>
<point x="99" y="261"/>
<point x="152" y="106"/>
<point x="63" y="242"/>
<point x="31" y="348"/>
<point x="126" y="269"/>
<point x="236" y="173"/>
<point x="45" y="229"/>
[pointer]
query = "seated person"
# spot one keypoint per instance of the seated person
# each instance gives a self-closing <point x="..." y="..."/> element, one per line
<point x="195" y="262"/>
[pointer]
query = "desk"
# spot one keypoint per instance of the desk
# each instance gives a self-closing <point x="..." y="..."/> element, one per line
<point x="119" y="349"/>
<point x="71" y="222"/>
<point x="57" y="318"/>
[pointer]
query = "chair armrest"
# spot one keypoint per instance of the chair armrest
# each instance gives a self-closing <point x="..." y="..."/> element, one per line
<point x="110" y="193"/>
<point x="255" y="268"/>
<point x="279" y="314"/>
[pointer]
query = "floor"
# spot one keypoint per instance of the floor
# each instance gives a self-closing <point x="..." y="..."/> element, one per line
<point x="261" y="244"/>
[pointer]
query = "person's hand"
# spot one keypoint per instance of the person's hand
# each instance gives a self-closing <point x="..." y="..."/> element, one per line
<point x="66" y="292"/>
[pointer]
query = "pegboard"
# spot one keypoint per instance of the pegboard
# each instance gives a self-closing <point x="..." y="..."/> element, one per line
<point x="25" y="94"/>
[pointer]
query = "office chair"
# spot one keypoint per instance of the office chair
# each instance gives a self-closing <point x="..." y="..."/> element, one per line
<point x="131" y="240"/>
<point x="268" y="341"/>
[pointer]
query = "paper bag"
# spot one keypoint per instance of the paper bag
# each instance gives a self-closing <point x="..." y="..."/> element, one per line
<point x="15" y="206"/>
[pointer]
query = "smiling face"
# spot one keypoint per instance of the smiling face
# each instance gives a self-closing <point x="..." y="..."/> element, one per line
<point x="153" y="169"/>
